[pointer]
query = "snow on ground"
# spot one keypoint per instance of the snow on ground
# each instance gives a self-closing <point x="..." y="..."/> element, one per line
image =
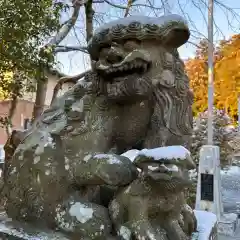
<point x="232" y="170"/>
<point x="206" y="221"/>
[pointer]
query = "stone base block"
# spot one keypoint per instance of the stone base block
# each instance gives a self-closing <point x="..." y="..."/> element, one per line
<point x="228" y="224"/>
<point x="10" y="230"/>
<point x="207" y="226"/>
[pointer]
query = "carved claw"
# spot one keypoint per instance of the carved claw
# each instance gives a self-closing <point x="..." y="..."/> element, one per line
<point x="189" y="220"/>
<point x="174" y="231"/>
<point x="141" y="229"/>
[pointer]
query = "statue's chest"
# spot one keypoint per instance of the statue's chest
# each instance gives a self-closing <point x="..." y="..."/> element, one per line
<point x="163" y="203"/>
<point x="132" y="122"/>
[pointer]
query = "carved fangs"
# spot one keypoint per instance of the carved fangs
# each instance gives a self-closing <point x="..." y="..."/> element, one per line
<point x="135" y="66"/>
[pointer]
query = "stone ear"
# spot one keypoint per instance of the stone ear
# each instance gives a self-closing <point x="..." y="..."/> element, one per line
<point x="93" y="65"/>
<point x="176" y="36"/>
<point x="136" y="188"/>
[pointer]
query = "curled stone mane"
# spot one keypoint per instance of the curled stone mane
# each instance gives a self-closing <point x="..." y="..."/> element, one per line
<point x="172" y="116"/>
<point x="170" y="30"/>
<point x="173" y="100"/>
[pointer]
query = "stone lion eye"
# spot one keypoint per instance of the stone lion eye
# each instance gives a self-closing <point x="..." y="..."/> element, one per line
<point x="131" y="44"/>
<point x="104" y="51"/>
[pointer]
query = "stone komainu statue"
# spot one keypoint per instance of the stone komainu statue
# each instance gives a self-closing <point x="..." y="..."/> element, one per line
<point x="69" y="168"/>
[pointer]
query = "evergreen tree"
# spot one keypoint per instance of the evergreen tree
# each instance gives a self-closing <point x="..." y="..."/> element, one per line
<point x="223" y="131"/>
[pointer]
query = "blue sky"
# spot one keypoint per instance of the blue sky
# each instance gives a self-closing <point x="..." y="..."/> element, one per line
<point x="195" y="12"/>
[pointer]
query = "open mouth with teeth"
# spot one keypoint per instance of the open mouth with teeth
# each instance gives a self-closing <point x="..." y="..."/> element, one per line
<point x="163" y="171"/>
<point x="136" y="62"/>
<point x="138" y="66"/>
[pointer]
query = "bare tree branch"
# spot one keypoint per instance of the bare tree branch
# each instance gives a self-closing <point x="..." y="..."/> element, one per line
<point x="68" y="79"/>
<point x="115" y="5"/>
<point x="17" y="87"/>
<point x="130" y="2"/>
<point x="70" y="49"/>
<point x="42" y="83"/>
<point x="89" y="19"/>
<point x="126" y="7"/>
<point x="66" y="28"/>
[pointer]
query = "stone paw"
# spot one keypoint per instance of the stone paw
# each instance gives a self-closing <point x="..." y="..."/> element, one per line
<point x="115" y="170"/>
<point x="188" y="221"/>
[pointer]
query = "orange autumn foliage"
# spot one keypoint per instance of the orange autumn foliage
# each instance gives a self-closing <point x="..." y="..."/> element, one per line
<point x="226" y="76"/>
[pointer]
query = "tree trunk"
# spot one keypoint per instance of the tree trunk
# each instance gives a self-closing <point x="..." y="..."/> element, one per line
<point x="239" y="112"/>
<point x="40" y="98"/>
<point x="129" y="4"/>
<point x="17" y="85"/>
<point x="89" y="19"/>
<point x="12" y="109"/>
<point x="42" y="83"/>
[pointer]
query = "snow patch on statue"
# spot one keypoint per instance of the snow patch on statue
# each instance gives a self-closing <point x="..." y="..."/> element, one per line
<point x="81" y="212"/>
<point x="169" y="158"/>
<point x="111" y="159"/>
<point x="170" y="152"/>
<point x="125" y="233"/>
<point x="160" y="21"/>
<point x="131" y="154"/>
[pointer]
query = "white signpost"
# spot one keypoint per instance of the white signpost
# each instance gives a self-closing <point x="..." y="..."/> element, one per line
<point x="209" y="196"/>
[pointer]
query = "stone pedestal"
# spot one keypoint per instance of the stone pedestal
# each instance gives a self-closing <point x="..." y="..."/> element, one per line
<point x="209" y="196"/>
<point x="12" y="230"/>
<point x="228" y="224"/>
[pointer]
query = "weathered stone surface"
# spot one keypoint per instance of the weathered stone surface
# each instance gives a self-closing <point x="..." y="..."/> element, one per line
<point x="147" y="206"/>
<point x="228" y="224"/>
<point x="13" y="230"/>
<point x="136" y="96"/>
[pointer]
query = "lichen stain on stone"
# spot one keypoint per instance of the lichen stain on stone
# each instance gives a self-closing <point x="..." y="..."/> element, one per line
<point x="168" y="77"/>
<point x="65" y="225"/>
<point x="14" y="170"/>
<point x="36" y="159"/>
<point x="169" y="57"/>
<point x="87" y="158"/>
<point x="142" y="104"/>
<point x="125" y="233"/>
<point x="78" y="106"/>
<point x="39" y="150"/>
<point x="114" y="207"/>
<point x="67" y="166"/>
<point x="151" y="236"/>
<point x="111" y="159"/>
<point x="38" y="178"/>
